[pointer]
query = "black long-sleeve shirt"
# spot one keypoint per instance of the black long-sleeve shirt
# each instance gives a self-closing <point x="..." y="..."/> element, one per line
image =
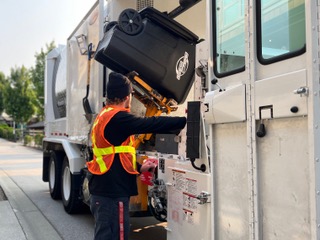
<point x="117" y="182"/>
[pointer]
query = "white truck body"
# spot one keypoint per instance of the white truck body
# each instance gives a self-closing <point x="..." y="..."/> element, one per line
<point x="259" y="126"/>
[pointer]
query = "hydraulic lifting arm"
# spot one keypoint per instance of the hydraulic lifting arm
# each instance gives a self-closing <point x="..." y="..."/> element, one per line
<point x="155" y="103"/>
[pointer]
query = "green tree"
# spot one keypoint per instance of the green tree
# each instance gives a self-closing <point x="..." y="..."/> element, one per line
<point x="19" y="95"/>
<point x="2" y="87"/>
<point x="38" y="76"/>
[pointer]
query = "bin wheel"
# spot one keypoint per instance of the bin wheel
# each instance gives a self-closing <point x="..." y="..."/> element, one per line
<point x="109" y="26"/>
<point x="130" y="21"/>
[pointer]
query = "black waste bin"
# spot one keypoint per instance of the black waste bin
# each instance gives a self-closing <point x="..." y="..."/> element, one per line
<point x="159" y="49"/>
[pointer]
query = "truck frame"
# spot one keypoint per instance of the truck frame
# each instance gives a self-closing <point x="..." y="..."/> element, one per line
<point x="247" y="164"/>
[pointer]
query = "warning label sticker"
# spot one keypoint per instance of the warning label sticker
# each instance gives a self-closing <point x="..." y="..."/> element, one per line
<point x="185" y="201"/>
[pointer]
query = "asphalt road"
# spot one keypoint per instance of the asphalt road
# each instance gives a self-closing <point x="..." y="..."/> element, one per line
<point x="23" y="166"/>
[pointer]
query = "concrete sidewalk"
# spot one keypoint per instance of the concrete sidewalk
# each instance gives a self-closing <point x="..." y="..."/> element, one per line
<point x="20" y="219"/>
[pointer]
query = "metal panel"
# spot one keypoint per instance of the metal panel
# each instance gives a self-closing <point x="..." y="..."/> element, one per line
<point x="144" y="3"/>
<point x="284" y="180"/>
<point x="312" y="61"/>
<point x="166" y="143"/>
<point x="278" y="91"/>
<point x="230" y="179"/>
<point x="77" y="74"/>
<point x="187" y="219"/>
<point x="226" y="106"/>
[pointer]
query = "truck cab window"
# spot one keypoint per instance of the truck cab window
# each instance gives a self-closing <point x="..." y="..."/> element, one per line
<point x="228" y="35"/>
<point x="281" y="29"/>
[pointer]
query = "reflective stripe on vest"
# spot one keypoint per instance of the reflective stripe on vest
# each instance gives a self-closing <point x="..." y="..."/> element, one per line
<point x="100" y="152"/>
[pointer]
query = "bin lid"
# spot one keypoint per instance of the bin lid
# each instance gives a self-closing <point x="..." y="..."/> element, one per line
<point x="170" y="24"/>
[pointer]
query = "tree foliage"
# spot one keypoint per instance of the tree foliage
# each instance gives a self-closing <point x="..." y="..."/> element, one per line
<point x="22" y="93"/>
<point x="38" y="77"/>
<point x="2" y="87"/>
<point x="19" y="95"/>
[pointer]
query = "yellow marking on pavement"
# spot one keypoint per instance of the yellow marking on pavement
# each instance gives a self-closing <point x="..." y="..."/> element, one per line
<point x="163" y="224"/>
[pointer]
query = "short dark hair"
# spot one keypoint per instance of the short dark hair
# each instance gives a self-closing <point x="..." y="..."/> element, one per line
<point x="115" y="101"/>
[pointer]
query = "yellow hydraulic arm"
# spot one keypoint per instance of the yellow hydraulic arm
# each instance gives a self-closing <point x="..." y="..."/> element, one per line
<point x="155" y="103"/>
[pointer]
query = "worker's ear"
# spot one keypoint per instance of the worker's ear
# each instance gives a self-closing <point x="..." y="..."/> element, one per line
<point x="127" y="98"/>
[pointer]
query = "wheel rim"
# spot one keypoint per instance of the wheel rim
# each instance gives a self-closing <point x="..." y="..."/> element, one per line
<point x="52" y="175"/>
<point x="66" y="183"/>
<point x="161" y="216"/>
<point x="130" y="21"/>
<point x="85" y="190"/>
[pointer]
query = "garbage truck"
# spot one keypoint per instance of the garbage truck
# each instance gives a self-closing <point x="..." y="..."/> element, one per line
<point x="246" y="76"/>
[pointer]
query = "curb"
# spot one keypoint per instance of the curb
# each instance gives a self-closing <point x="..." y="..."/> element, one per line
<point x="20" y="218"/>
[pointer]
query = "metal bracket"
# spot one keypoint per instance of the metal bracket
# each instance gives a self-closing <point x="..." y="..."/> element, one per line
<point x="302" y="91"/>
<point x="203" y="197"/>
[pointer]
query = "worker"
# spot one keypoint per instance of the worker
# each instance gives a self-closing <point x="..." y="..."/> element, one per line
<point x="114" y="168"/>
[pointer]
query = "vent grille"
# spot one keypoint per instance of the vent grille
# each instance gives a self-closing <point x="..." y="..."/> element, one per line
<point x="2" y="195"/>
<point x="141" y="4"/>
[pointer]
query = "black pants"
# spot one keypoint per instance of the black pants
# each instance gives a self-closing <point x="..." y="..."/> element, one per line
<point x="106" y="213"/>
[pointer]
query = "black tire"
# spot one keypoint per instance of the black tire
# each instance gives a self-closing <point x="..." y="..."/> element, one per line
<point x="70" y="189"/>
<point x="54" y="173"/>
<point x="160" y="216"/>
<point x="130" y="22"/>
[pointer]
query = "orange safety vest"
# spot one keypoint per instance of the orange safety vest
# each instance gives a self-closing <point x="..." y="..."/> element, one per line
<point x="103" y="151"/>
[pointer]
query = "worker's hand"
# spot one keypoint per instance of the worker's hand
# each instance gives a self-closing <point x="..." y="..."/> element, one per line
<point x="147" y="166"/>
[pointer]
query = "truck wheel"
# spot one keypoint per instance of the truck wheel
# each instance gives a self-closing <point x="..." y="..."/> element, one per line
<point x="55" y="175"/>
<point x="85" y="186"/>
<point x="70" y="189"/>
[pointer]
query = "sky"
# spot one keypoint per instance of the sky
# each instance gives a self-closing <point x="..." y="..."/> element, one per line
<point x="27" y="26"/>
